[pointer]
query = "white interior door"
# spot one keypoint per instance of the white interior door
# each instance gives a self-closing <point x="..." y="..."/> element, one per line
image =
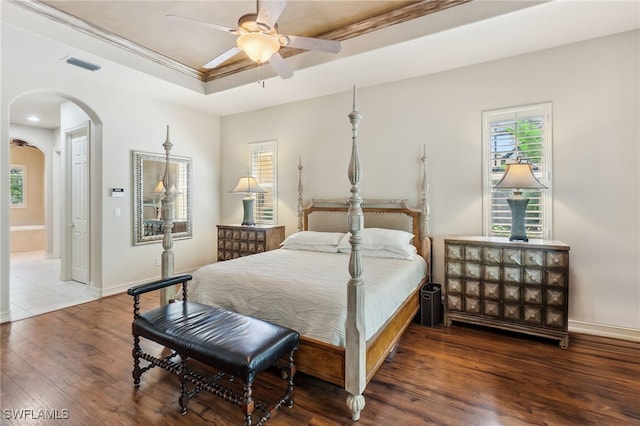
<point x="79" y="207"/>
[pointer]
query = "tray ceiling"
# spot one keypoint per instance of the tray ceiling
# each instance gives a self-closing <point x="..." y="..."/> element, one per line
<point x="142" y="26"/>
<point x="382" y="41"/>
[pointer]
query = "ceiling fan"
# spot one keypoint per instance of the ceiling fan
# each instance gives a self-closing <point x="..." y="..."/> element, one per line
<point x="259" y="38"/>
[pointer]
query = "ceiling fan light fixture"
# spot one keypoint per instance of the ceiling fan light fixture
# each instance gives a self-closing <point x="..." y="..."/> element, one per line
<point x="284" y="40"/>
<point x="258" y="46"/>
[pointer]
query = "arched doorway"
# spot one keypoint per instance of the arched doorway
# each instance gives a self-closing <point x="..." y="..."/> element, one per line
<point x="64" y="122"/>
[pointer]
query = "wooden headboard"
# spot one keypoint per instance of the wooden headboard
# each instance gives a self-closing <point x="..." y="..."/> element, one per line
<point x="331" y="216"/>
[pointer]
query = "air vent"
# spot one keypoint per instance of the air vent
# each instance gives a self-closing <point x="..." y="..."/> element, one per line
<point x="82" y="64"/>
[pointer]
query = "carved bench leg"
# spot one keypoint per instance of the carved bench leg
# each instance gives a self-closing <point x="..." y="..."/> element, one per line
<point x="184" y="391"/>
<point x="291" y="371"/>
<point x="136" y="373"/>
<point x="248" y="404"/>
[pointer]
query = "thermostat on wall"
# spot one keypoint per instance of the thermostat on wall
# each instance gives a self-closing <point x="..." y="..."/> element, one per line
<point x="117" y="192"/>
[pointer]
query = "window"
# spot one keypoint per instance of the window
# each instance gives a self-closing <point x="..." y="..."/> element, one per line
<point x="263" y="168"/>
<point x="18" y="175"/>
<point x="507" y="134"/>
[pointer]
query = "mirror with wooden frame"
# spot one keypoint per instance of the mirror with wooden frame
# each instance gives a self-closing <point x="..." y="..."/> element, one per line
<point x="148" y="192"/>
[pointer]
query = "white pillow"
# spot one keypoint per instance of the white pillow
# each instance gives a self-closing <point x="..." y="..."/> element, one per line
<point x="314" y="241"/>
<point x="382" y="243"/>
<point x="410" y="254"/>
<point x="327" y="248"/>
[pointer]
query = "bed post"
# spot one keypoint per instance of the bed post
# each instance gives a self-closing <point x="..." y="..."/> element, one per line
<point x="167" y="224"/>
<point x="424" y="208"/>
<point x="355" y="353"/>
<point x="425" y="240"/>
<point x="299" y="206"/>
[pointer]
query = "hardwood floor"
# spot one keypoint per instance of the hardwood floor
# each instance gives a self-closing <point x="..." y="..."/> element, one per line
<point x="73" y="367"/>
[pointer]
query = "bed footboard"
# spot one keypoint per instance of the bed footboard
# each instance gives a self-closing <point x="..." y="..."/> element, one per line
<point x="327" y="362"/>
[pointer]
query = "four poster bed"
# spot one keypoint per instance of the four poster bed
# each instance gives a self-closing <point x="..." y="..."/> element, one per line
<point x="348" y="281"/>
<point x="302" y="285"/>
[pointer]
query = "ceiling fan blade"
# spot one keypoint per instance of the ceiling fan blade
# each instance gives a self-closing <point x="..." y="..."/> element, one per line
<point x="308" y="43"/>
<point x="280" y="66"/>
<point x="222" y="57"/>
<point x="203" y="23"/>
<point x="269" y="11"/>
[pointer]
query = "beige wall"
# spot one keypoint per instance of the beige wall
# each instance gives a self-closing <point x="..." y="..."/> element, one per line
<point x="45" y="140"/>
<point x="594" y="89"/>
<point x="34" y="212"/>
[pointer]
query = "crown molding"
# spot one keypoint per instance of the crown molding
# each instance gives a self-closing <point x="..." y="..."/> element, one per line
<point x="383" y="20"/>
<point x="105" y="36"/>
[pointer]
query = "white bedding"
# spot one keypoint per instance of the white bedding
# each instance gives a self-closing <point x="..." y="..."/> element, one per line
<point x="306" y="290"/>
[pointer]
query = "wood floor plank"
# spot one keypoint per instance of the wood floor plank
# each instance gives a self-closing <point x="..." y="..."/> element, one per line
<point x="79" y="359"/>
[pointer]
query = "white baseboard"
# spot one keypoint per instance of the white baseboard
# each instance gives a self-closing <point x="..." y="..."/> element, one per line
<point x="93" y="289"/>
<point x="122" y="288"/>
<point x="5" y="316"/>
<point x="605" y="330"/>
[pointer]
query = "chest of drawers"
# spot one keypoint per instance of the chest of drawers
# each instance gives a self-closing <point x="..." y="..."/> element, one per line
<point x="237" y="240"/>
<point x="511" y="285"/>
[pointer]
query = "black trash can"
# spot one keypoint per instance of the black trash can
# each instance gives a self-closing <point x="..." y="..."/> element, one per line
<point x="431" y="304"/>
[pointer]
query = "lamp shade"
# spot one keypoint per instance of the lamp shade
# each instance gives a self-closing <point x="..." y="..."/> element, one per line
<point x="248" y="185"/>
<point x="519" y="176"/>
<point x="160" y="189"/>
<point x="258" y="46"/>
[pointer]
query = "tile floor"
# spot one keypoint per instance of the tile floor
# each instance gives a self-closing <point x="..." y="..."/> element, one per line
<point x="36" y="289"/>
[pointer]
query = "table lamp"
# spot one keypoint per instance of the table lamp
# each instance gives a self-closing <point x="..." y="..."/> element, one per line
<point x="518" y="176"/>
<point x="248" y="185"/>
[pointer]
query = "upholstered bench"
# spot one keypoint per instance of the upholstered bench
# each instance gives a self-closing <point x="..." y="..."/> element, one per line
<point x="234" y="345"/>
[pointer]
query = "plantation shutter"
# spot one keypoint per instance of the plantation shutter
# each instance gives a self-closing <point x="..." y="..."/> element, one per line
<point x="263" y="168"/>
<point x="509" y="134"/>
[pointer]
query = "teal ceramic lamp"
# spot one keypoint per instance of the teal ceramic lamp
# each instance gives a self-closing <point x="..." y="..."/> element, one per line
<point x="248" y="185"/>
<point x="518" y="176"/>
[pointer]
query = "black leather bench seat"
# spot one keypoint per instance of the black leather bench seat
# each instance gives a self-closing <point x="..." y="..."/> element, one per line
<point x="241" y="346"/>
<point x="233" y="344"/>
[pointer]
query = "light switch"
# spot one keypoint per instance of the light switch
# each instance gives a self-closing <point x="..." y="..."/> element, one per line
<point x="116" y="212"/>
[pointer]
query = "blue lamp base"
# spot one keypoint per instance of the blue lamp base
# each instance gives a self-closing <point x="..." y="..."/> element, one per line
<point x="518" y="206"/>
<point x="248" y="219"/>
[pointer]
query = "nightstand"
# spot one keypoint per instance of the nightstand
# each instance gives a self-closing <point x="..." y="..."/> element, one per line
<point x="238" y="240"/>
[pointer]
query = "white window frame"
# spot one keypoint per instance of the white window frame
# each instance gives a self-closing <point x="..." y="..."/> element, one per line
<point x="542" y="168"/>
<point x="262" y="176"/>
<point x="23" y="204"/>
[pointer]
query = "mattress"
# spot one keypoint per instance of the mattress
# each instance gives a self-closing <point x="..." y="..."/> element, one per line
<point x="307" y="290"/>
